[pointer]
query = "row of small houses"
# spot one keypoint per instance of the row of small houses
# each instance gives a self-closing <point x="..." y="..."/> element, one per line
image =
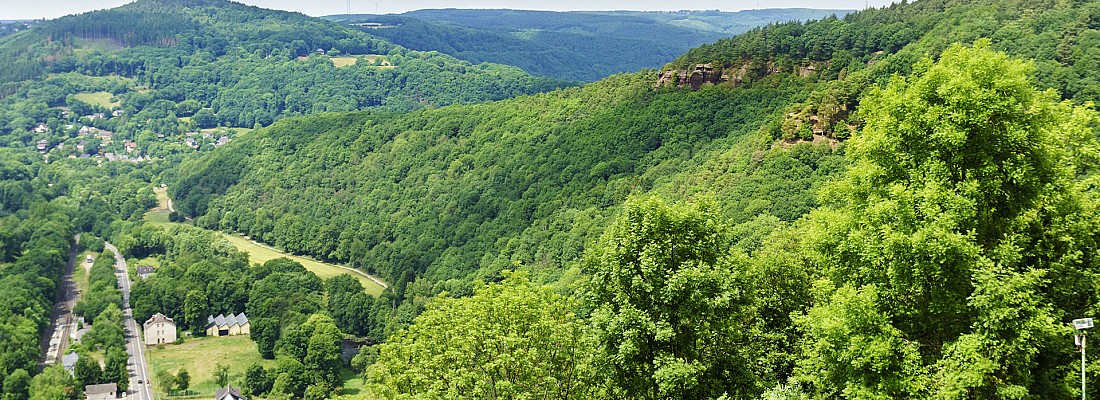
<point x="160" y="329"/>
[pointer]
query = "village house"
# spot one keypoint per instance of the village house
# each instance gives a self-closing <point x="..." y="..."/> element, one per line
<point x="227" y="325"/>
<point x="84" y="130"/>
<point x="116" y="113"/>
<point x="130" y="146"/>
<point x="159" y="329"/>
<point x="41" y="145"/>
<point x="228" y="393"/>
<point x="144" y="271"/>
<point x="41" y="128"/>
<point x="69" y="362"/>
<point x="103" y="391"/>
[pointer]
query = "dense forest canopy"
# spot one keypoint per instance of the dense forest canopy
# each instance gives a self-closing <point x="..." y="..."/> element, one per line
<point x="897" y="203"/>
<point x="867" y="210"/>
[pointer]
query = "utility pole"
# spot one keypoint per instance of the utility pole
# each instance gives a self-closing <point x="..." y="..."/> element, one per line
<point x="1081" y="325"/>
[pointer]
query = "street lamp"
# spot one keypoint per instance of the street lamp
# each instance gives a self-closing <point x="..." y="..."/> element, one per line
<point x="1081" y="325"/>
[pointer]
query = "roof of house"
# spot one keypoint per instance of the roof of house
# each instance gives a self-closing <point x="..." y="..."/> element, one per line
<point x="111" y="388"/>
<point x="223" y="320"/>
<point x="158" y="317"/>
<point x="69" y="360"/>
<point x="145" y="269"/>
<point x="227" y="393"/>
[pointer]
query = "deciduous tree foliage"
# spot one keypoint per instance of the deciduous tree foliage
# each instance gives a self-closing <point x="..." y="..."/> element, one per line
<point x="667" y="306"/>
<point x="958" y="243"/>
<point x="512" y="339"/>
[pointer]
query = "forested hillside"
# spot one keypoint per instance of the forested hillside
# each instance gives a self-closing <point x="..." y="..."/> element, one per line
<point x="153" y="70"/>
<point x="582" y="46"/>
<point x="899" y="203"/>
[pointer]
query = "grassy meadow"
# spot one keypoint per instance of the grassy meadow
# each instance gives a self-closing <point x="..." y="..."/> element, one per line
<point x="200" y="356"/>
<point x="258" y="253"/>
<point x="102" y="99"/>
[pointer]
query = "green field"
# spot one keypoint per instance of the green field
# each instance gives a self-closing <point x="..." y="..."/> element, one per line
<point x="343" y="61"/>
<point x="376" y="60"/>
<point x="102" y="99"/>
<point x="258" y="253"/>
<point x="200" y="356"/>
<point x="87" y="46"/>
<point x="354" y="386"/>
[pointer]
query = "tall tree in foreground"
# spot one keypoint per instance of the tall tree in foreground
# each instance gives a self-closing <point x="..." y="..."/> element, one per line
<point x="958" y="244"/>
<point x="512" y="339"/>
<point x="667" y="305"/>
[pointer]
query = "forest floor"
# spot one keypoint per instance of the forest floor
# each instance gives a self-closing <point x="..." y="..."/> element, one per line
<point x="260" y="253"/>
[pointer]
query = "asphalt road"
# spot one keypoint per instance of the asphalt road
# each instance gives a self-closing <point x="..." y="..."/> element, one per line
<point x="134" y="346"/>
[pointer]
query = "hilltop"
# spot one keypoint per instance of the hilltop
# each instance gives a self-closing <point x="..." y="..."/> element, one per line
<point x="151" y="71"/>
<point x="568" y="45"/>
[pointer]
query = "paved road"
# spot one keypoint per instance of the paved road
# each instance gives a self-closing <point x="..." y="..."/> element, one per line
<point x="138" y="369"/>
<point x="56" y="339"/>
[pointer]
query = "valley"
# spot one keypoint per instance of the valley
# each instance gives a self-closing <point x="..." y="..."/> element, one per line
<point x="895" y="202"/>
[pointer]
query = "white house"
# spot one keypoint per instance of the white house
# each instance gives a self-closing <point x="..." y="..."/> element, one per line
<point x="159" y="329"/>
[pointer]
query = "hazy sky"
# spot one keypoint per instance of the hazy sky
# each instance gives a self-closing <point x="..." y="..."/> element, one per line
<point x="35" y="9"/>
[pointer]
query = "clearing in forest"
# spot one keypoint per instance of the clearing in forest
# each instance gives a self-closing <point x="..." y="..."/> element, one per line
<point x="259" y="253"/>
<point x="101" y="99"/>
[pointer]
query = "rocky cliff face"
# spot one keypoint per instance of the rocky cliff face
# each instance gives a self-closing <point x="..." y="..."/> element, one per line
<point x="735" y="75"/>
<point x="703" y="73"/>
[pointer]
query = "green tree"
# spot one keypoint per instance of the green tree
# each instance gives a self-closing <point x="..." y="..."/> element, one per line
<point x="323" y="350"/>
<point x="221" y="375"/>
<point x="16" y="385"/>
<point x="165" y="380"/>
<point x="954" y="240"/>
<point x="265" y="332"/>
<point x="107" y="328"/>
<point x="512" y="339"/>
<point x="257" y="382"/>
<point x="114" y="369"/>
<point x="183" y="379"/>
<point x="666" y="303"/>
<point x="196" y="309"/>
<point x="204" y="119"/>
<point x="54" y="383"/>
<point x="87" y="370"/>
